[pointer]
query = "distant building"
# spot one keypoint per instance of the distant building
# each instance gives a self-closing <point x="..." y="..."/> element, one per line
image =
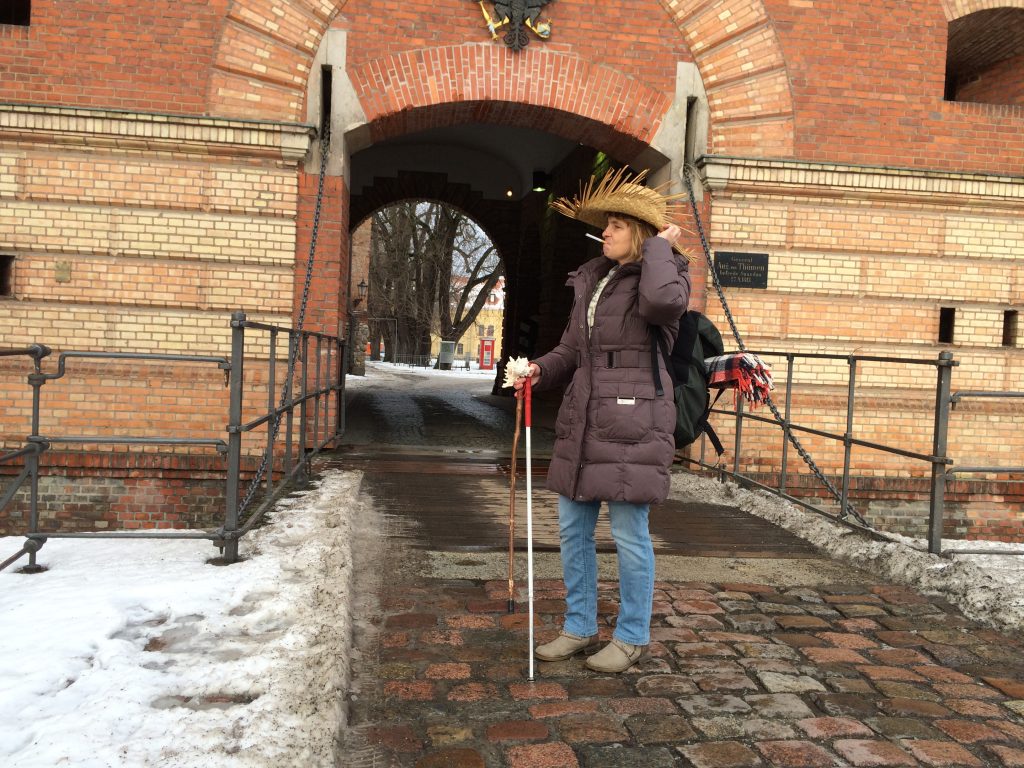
<point x="484" y="334"/>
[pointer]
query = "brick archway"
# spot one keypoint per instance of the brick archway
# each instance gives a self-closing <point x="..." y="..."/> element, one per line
<point x="582" y="101"/>
<point x="742" y="66"/>
<point x="956" y="9"/>
<point x="266" y="49"/>
<point x="498" y="219"/>
<point x="489" y="214"/>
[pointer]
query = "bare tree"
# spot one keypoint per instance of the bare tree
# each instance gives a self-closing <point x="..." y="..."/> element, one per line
<point x="431" y="269"/>
<point x="475" y="270"/>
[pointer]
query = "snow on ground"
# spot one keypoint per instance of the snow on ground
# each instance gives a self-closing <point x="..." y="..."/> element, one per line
<point x="375" y="369"/>
<point x="986" y="588"/>
<point x="138" y="653"/>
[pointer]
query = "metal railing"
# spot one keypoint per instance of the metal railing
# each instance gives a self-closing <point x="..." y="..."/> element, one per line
<point x="317" y="394"/>
<point x="938" y="460"/>
<point x="414" y="361"/>
<point x="954" y="400"/>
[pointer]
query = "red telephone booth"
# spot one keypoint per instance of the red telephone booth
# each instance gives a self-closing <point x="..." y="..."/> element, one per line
<point x="486" y="359"/>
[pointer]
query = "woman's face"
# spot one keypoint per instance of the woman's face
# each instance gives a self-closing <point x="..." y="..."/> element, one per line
<point x="618" y="239"/>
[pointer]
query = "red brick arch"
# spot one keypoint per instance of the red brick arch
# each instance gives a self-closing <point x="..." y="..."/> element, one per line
<point x="587" y="102"/>
<point x="955" y="9"/>
<point x="266" y="48"/>
<point x="741" y="64"/>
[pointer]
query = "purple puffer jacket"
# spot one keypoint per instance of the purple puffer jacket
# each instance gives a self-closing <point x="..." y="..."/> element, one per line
<point x="613" y="434"/>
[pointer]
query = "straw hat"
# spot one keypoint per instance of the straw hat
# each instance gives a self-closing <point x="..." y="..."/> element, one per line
<point x="618" y="192"/>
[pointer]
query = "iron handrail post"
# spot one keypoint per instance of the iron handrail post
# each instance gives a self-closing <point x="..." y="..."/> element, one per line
<point x="36" y="379"/>
<point x="289" y="439"/>
<point x="328" y="389"/>
<point x="317" y="388"/>
<point x="738" y="436"/>
<point x="234" y="437"/>
<point x="851" y="383"/>
<point x="271" y="406"/>
<point x="937" y="500"/>
<point x="303" y="476"/>
<point x="784" y="466"/>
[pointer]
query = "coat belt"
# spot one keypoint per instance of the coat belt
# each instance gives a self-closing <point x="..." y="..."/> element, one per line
<point x="618" y="358"/>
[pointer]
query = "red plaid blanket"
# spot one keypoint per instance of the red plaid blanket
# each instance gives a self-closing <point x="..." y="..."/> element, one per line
<point x="743" y="371"/>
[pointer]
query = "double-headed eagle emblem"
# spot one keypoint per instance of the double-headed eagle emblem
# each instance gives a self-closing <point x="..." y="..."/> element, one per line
<point x="518" y="15"/>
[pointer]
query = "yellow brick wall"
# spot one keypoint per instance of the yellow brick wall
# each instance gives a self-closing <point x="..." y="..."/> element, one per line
<point x="82" y="177"/>
<point x="185" y="235"/>
<point x="209" y="286"/>
<point x="120" y="249"/>
<point x="861" y="262"/>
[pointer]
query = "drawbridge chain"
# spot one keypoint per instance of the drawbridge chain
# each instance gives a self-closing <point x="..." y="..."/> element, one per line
<point x="689" y="174"/>
<point x="296" y="337"/>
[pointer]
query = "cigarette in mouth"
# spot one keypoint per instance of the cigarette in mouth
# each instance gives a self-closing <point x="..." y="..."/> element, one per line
<point x="594" y="237"/>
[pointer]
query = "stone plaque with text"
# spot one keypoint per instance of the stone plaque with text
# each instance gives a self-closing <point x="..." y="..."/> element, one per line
<point x="742" y="270"/>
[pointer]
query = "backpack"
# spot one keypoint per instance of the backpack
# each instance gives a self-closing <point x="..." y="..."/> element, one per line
<point x="698" y="339"/>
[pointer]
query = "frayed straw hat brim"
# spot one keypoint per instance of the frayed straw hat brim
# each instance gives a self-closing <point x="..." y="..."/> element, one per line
<point x="618" y="192"/>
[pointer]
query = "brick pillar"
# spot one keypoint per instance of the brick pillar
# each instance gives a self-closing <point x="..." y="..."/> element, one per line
<point x="700" y="282"/>
<point x="328" y="292"/>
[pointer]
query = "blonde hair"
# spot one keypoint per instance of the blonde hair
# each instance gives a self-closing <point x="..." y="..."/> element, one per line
<point x="639" y="231"/>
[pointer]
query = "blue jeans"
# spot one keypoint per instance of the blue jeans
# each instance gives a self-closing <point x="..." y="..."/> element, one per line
<point x="576" y="523"/>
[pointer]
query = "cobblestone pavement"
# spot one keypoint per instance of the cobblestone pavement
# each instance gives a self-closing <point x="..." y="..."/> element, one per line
<point x="847" y="672"/>
<point x="737" y="675"/>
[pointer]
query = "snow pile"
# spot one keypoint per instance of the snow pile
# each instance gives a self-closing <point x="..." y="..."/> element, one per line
<point x="138" y="653"/>
<point x="985" y="587"/>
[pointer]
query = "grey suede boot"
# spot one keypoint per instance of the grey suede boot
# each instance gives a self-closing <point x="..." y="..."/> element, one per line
<point x="617" y="656"/>
<point x="565" y="646"/>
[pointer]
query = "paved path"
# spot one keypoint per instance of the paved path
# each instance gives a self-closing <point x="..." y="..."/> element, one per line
<point x="785" y="660"/>
<point x="847" y="673"/>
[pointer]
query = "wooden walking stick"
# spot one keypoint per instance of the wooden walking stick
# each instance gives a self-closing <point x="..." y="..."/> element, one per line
<point x="517" y="368"/>
<point x="512" y="511"/>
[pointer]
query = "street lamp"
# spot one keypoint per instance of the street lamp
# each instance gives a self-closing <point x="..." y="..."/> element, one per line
<point x="362" y="293"/>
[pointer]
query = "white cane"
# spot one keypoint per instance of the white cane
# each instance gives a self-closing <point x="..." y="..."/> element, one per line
<point x="529" y="523"/>
<point x="515" y="369"/>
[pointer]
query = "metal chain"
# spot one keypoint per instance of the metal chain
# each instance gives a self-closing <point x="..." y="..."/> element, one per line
<point x="296" y="338"/>
<point x="688" y="172"/>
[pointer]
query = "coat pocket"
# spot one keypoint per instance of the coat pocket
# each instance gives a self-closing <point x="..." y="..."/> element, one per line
<point x="624" y="412"/>
<point x="566" y="413"/>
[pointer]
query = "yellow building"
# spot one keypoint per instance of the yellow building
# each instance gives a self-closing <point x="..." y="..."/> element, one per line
<point x="483" y="336"/>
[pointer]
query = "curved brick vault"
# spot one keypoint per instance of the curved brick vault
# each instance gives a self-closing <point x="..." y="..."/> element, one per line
<point x="266" y="47"/>
<point x="499" y="219"/>
<point x="600" y="108"/>
<point x="957" y="8"/>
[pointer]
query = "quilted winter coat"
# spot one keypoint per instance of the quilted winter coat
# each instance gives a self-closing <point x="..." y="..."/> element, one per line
<point x="613" y="434"/>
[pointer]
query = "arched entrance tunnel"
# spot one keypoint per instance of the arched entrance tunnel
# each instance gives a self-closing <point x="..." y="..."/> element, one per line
<point x="502" y="170"/>
<point x="436" y="449"/>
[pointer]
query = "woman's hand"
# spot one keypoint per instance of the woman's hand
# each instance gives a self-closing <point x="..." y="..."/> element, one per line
<point x="521" y="381"/>
<point x="671" y="233"/>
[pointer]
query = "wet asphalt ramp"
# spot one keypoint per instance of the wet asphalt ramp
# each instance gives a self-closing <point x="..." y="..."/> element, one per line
<point x="435" y="454"/>
<point x="458" y="502"/>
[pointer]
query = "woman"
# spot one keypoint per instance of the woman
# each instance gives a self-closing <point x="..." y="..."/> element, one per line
<point x="613" y="433"/>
